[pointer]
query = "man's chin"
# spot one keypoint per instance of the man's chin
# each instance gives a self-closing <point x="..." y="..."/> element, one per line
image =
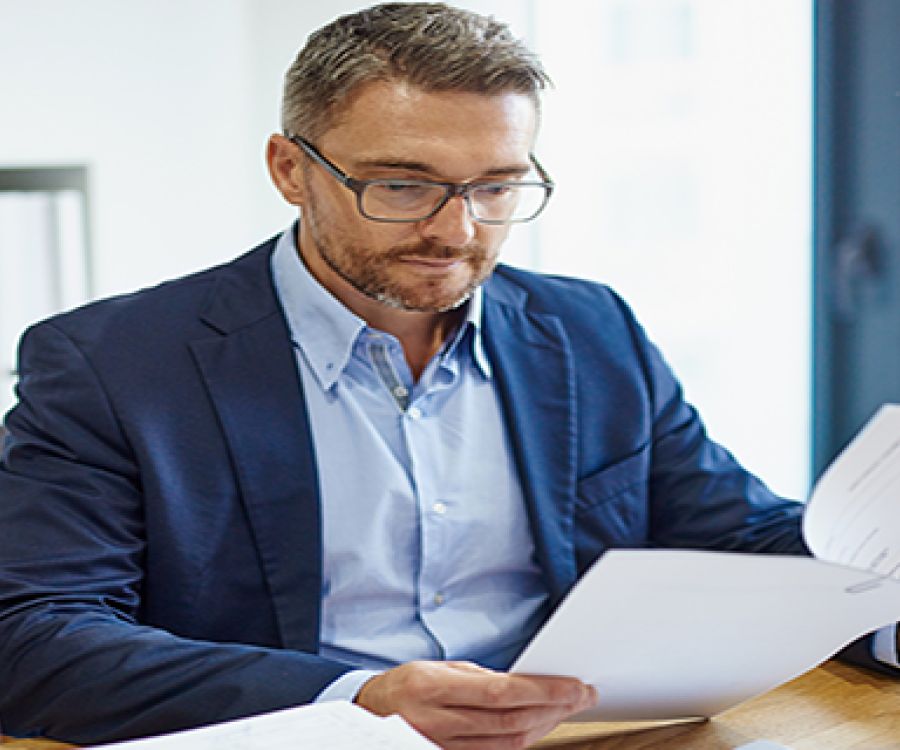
<point x="421" y="305"/>
<point x="429" y="296"/>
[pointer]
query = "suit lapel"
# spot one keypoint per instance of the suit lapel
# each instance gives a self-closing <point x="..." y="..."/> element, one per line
<point x="532" y="363"/>
<point x="251" y="376"/>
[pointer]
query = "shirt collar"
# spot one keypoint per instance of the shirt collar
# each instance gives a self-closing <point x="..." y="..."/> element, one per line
<point x="325" y="331"/>
<point x="473" y="321"/>
<point x="321" y="327"/>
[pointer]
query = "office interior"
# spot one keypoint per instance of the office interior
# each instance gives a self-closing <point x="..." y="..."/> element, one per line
<point x="709" y="157"/>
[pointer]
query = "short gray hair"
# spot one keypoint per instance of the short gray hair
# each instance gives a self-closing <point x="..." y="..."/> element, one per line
<point x="429" y="45"/>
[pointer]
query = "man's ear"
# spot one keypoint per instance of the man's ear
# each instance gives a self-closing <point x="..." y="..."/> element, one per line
<point x="285" y="168"/>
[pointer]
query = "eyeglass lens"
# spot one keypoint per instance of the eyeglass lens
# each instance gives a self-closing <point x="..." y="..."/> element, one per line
<point x="410" y="201"/>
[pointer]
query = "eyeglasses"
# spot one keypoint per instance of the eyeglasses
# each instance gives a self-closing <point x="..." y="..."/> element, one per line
<point x="398" y="201"/>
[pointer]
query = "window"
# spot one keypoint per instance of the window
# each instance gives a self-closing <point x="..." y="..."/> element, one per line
<point x="679" y="135"/>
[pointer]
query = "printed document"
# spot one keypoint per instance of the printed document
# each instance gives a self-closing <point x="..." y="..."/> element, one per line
<point x="319" y="726"/>
<point x="666" y="634"/>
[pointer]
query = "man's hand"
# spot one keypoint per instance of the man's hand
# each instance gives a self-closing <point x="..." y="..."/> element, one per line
<point x="462" y="705"/>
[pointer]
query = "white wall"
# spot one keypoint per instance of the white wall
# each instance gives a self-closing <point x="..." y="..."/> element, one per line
<point x="169" y="103"/>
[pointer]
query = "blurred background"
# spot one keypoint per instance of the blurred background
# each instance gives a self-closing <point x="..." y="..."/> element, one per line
<point x="679" y="132"/>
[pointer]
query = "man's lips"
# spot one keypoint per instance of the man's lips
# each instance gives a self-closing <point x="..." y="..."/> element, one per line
<point x="437" y="264"/>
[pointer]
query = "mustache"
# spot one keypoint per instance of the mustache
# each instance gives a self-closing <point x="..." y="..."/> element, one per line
<point x="434" y="251"/>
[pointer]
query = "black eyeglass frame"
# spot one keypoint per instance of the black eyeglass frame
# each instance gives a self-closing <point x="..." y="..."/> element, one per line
<point x="452" y="189"/>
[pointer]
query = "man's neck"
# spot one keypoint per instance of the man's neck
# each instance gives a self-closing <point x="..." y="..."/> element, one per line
<point x="421" y="334"/>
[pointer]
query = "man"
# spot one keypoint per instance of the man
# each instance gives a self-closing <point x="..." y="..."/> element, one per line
<point x="362" y="461"/>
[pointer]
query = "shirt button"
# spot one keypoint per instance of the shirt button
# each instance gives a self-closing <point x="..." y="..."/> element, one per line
<point x="414" y="412"/>
<point x="440" y="508"/>
<point x="439" y="599"/>
<point x="400" y="391"/>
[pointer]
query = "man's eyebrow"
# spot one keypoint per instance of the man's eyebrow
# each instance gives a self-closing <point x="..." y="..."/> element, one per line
<point x="515" y="170"/>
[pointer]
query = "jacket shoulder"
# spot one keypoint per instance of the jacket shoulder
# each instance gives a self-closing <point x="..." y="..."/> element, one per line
<point x="568" y="297"/>
<point x="179" y="303"/>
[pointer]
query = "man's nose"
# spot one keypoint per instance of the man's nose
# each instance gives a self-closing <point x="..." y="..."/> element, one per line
<point x="453" y="225"/>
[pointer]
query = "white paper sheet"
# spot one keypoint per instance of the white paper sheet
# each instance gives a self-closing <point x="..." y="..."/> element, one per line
<point x="668" y="634"/>
<point x="320" y="726"/>
<point x="853" y="516"/>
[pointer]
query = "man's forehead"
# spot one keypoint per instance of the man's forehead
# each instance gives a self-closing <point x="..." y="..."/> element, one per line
<point x="399" y="91"/>
<point x="387" y="120"/>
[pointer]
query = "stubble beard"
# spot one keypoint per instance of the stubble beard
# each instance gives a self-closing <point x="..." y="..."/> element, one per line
<point x="374" y="273"/>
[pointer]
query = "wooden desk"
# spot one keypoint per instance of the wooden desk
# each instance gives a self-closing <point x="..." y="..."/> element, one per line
<point x="834" y="707"/>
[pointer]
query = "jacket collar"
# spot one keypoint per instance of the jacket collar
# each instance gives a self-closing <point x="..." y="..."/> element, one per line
<point x="535" y="373"/>
<point x="251" y="377"/>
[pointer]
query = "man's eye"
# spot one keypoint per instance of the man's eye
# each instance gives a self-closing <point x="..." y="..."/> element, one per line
<point x="406" y="190"/>
<point x="501" y="191"/>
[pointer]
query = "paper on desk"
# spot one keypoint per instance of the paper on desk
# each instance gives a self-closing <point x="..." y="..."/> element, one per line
<point x="672" y="634"/>
<point x="320" y="726"/>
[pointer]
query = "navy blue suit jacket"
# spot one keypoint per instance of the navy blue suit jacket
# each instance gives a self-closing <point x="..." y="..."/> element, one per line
<point x="160" y="547"/>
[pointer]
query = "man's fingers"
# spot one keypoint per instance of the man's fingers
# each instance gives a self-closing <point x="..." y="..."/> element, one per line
<point x="472" y="721"/>
<point x="497" y="729"/>
<point x="478" y="687"/>
<point x="465" y="685"/>
<point x="456" y="703"/>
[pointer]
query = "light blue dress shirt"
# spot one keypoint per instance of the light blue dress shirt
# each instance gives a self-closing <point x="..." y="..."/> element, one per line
<point x="427" y="549"/>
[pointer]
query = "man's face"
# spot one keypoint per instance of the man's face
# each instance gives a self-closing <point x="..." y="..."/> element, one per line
<point x="393" y="131"/>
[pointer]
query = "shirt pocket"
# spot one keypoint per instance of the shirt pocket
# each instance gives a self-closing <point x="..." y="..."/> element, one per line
<point x="611" y="508"/>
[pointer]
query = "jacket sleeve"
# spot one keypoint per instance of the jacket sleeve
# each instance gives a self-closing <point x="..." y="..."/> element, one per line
<point x="860" y="653"/>
<point x="78" y="661"/>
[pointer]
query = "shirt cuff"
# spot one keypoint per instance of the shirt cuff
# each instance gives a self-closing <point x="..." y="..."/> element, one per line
<point x="884" y="646"/>
<point x="346" y="687"/>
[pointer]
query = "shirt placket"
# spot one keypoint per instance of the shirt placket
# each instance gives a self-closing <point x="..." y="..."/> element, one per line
<point x="421" y="436"/>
